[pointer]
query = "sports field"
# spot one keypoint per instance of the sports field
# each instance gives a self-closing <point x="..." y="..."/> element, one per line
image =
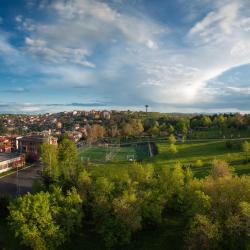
<point x="114" y="154"/>
<point x="197" y="155"/>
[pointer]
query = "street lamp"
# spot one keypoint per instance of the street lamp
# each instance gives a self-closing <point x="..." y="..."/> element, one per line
<point x="17" y="183"/>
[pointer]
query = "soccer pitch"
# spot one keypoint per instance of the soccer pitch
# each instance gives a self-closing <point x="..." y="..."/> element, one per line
<point x="113" y="154"/>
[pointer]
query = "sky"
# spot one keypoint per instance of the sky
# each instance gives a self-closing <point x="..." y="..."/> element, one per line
<point x="174" y="55"/>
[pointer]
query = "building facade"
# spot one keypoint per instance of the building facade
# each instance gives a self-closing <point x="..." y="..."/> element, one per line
<point x="31" y="145"/>
<point x="10" y="161"/>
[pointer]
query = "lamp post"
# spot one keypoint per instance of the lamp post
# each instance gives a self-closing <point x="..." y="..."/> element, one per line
<point x="17" y="184"/>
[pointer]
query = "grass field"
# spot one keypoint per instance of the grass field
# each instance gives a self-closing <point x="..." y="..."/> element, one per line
<point x="220" y="133"/>
<point x="189" y="153"/>
<point x="113" y="154"/>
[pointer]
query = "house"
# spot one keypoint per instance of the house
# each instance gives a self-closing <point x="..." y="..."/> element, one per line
<point x="31" y="145"/>
<point x="105" y="115"/>
<point x="5" y="145"/>
<point x="10" y="161"/>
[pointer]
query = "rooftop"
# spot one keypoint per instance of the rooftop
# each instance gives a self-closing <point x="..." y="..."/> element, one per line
<point x="35" y="138"/>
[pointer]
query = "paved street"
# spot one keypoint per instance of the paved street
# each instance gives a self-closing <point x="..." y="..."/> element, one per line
<point x="9" y="184"/>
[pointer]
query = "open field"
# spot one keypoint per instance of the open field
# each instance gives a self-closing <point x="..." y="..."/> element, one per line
<point x="220" y="133"/>
<point x="114" y="154"/>
<point x="189" y="153"/>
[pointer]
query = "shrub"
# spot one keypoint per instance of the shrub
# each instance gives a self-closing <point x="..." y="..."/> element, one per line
<point x="199" y="163"/>
<point x="173" y="149"/>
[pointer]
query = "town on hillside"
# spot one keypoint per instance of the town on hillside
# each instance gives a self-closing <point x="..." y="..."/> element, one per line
<point x="21" y="136"/>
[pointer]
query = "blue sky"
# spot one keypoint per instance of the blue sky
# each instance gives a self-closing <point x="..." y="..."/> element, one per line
<point x="175" y="55"/>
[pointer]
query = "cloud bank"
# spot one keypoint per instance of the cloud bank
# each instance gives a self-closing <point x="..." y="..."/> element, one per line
<point x="126" y="57"/>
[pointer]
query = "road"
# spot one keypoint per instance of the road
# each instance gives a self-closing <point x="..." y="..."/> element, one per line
<point x="9" y="184"/>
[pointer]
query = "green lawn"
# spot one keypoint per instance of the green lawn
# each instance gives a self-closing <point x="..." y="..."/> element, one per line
<point x="189" y="153"/>
<point x="220" y="133"/>
<point x="113" y="154"/>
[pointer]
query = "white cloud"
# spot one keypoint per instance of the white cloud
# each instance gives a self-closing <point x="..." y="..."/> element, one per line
<point x="217" y="23"/>
<point x="6" y="49"/>
<point x="101" y="17"/>
<point x="32" y="42"/>
<point x="67" y="76"/>
<point x="85" y="23"/>
<point x="19" y="18"/>
<point x="89" y="43"/>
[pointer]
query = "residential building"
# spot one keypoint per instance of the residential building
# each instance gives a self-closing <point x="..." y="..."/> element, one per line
<point x="5" y="145"/>
<point x="10" y="161"/>
<point x="31" y="145"/>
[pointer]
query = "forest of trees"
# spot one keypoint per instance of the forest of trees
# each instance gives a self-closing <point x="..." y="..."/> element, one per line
<point x="215" y="209"/>
<point x="135" y="124"/>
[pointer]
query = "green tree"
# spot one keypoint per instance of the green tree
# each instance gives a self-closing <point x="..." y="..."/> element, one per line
<point x="127" y="130"/>
<point x="172" y="139"/>
<point x="44" y="221"/>
<point x="101" y="196"/>
<point x="206" y="121"/>
<point x="182" y="127"/>
<point x="149" y="123"/>
<point x="137" y="126"/>
<point x="220" y="169"/>
<point x="68" y="154"/>
<point x="221" y="121"/>
<point x="154" y="131"/>
<point x="127" y="210"/>
<point x="49" y="156"/>
<point x="69" y="209"/>
<point x="222" y="200"/>
<point x="84" y="184"/>
<point x="173" y="149"/>
<point x="203" y="233"/>
<point x="199" y="163"/>
<point x="170" y="129"/>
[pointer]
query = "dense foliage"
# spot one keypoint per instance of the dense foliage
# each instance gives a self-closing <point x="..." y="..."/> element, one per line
<point x="45" y="220"/>
<point x="215" y="209"/>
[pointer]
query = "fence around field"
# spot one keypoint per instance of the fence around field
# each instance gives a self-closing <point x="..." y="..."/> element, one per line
<point x="118" y="152"/>
<point x="135" y="150"/>
<point x="179" y="140"/>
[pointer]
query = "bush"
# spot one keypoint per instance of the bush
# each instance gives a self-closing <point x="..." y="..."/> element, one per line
<point x="172" y="139"/>
<point x="199" y="163"/>
<point x="173" y="149"/>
